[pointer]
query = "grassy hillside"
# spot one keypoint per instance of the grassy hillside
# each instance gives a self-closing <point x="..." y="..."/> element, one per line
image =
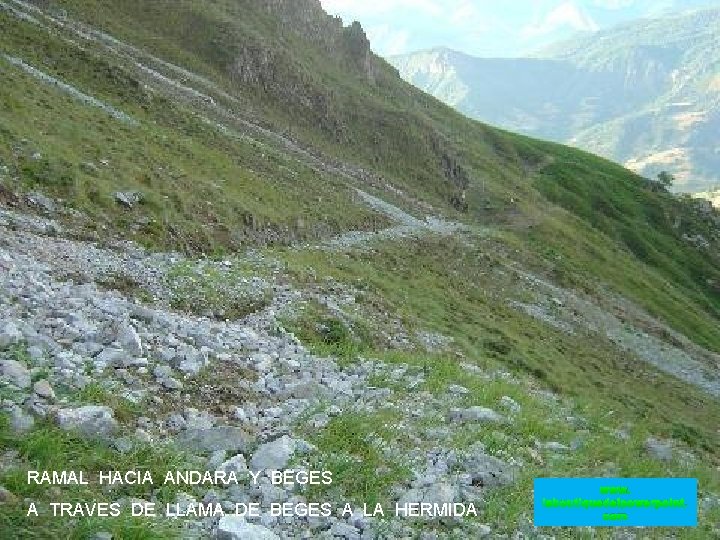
<point x="351" y="106"/>
<point x="248" y="126"/>
<point x="380" y="123"/>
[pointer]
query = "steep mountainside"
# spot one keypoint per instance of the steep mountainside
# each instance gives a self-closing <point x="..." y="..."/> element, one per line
<point x="232" y="238"/>
<point x="645" y="94"/>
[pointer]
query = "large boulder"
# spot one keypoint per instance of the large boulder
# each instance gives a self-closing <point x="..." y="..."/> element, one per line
<point x="129" y="339"/>
<point x="236" y="528"/>
<point x="189" y="360"/>
<point x="15" y="373"/>
<point x="9" y="334"/>
<point x="229" y="438"/>
<point x="273" y="455"/>
<point x="487" y="470"/>
<point x="111" y="357"/>
<point x="90" y="420"/>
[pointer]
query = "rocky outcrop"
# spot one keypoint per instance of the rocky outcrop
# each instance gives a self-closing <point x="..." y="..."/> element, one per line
<point x="308" y="19"/>
<point x="270" y="69"/>
<point x="15" y="373"/>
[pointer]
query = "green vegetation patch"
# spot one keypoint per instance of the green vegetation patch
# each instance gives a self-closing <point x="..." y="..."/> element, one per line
<point x="445" y="286"/>
<point x="47" y="447"/>
<point x="205" y="289"/>
<point x="352" y="446"/>
<point x="327" y="334"/>
<point x="202" y="190"/>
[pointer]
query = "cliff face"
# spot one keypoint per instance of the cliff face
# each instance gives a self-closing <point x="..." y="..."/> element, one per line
<point x="306" y="18"/>
<point x="286" y="72"/>
<point x="276" y="72"/>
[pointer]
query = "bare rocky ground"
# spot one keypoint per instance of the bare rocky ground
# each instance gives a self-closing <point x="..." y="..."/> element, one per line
<point x="241" y="394"/>
<point x="234" y="392"/>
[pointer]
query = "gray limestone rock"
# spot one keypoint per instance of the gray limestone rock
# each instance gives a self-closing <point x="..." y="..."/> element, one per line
<point x="43" y="389"/>
<point x="90" y="420"/>
<point x="20" y="421"/>
<point x="162" y="372"/>
<point x="229" y="438"/>
<point x="274" y="454"/>
<point x="475" y="414"/>
<point x="438" y="493"/>
<point x="235" y="464"/>
<point x="128" y="198"/>
<point x="510" y="404"/>
<point x="487" y="470"/>
<point x="129" y="339"/>
<point x="345" y="530"/>
<point x="15" y="373"/>
<point x="110" y="357"/>
<point x="658" y="449"/>
<point x="236" y="528"/>
<point x="9" y="334"/>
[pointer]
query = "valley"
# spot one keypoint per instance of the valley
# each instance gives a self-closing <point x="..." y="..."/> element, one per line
<point x="643" y="94"/>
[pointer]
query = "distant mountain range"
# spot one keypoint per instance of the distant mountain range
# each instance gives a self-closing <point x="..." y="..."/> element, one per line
<point x="645" y="94"/>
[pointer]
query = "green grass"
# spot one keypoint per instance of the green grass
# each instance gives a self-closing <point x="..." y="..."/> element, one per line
<point x="47" y="447"/>
<point x="671" y="279"/>
<point x="443" y="286"/>
<point x="450" y="288"/>
<point x="326" y="335"/>
<point x="203" y="191"/>
<point x="349" y="446"/>
<point x="355" y="446"/>
<point x="205" y="289"/>
<point x="126" y="286"/>
<point x="207" y="192"/>
<point x="95" y="393"/>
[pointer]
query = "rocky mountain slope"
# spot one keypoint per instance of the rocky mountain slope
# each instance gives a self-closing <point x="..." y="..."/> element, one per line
<point x="712" y="196"/>
<point x="644" y="94"/>
<point x="232" y="239"/>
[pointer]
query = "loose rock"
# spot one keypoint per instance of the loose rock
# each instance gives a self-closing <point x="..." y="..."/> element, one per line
<point x="660" y="450"/>
<point x="43" y="389"/>
<point x="475" y="414"/>
<point x="90" y="420"/>
<point x="129" y="340"/>
<point x="273" y="455"/>
<point x="15" y="372"/>
<point x="236" y="528"/>
<point x="231" y="439"/>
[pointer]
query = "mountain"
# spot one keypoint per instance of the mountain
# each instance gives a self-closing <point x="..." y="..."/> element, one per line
<point x="712" y="196"/>
<point x="233" y="239"/>
<point x="645" y="94"/>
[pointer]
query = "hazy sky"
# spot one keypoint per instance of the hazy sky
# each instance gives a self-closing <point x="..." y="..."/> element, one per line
<point x="491" y="27"/>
